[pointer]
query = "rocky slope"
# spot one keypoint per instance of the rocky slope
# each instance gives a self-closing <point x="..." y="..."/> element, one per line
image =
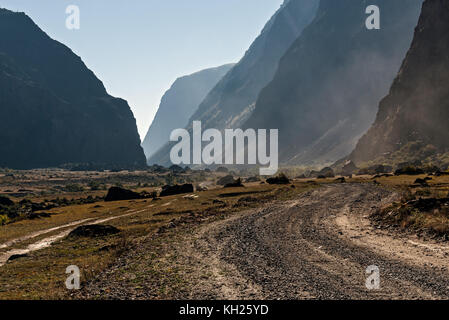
<point x="53" y="109"/>
<point x="232" y="100"/>
<point x="325" y="92"/>
<point x="413" y="119"/>
<point x="179" y="103"/>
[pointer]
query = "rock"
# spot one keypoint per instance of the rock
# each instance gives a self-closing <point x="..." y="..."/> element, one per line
<point x="280" y="179"/>
<point x="5" y="201"/>
<point x="326" y="172"/>
<point x="93" y="231"/>
<point x="235" y="184"/>
<point x="252" y="179"/>
<point x="225" y="180"/>
<point x="17" y="256"/>
<point x="376" y="170"/>
<point x="341" y="180"/>
<point x="176" y="189"/>
<point x="119" y="194"/>
<point x="222" y="170"/>
<point x="440" y="173"/>
<point x="349" y="168"/>
<point x="422" y="182"/>
<point x="409" y="170"/>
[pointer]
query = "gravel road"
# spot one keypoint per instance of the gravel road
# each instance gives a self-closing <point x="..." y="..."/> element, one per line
<point x="317" y="246"/>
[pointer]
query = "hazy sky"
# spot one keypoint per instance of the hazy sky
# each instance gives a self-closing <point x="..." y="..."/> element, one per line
<point x="139" y="47"/>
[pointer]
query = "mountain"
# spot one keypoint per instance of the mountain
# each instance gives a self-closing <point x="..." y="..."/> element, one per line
<point x="412" y="122"/>
<point x="232" y="100"/>
<point x="179" y="103"/>
<point x="53" y="109"/>
<point x="325" y="92"/>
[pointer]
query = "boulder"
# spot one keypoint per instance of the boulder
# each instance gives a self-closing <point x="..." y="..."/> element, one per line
<point x="349" y="168"/>
<point x="176" y="189"/>
<point x="327" y="172"/>
<point x="5" y="201"/>
<point x="280" y="179"/>
<point x="118" y="194"/>
<point x="341" y="180"/>
<point x="225" y="180"/>
<point x="235" y="184"/>
<point x="17" y="256"/>
<point x="409" y="170"/>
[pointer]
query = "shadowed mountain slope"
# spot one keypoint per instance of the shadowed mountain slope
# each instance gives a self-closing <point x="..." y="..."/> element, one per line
<point x="53" y="109"/>
<point x="325" y="92"/>
<point x="413" y="119"/>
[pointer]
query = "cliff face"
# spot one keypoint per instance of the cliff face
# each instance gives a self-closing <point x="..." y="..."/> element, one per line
<point x="53" y="110"/>
<point x="325" y="92"/>
<point x="412" y="121"/>
<point x="179" y="103"/>
<point x="232" y="100"/>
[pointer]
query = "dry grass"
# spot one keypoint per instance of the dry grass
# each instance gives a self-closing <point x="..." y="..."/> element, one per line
<point x="41" y="274"/>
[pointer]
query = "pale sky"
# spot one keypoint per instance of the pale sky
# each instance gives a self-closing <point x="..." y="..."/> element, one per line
<point x="139" y="47"/>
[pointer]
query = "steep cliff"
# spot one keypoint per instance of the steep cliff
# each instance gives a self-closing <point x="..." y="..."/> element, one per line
<point x="413" y="119"/>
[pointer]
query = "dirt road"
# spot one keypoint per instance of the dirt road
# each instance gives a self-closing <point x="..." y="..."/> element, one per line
<point x="317" y="246"/>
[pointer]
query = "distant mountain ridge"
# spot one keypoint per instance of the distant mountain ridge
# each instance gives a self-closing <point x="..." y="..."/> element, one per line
<point x="412" y="120"/>
<point x="53" y="109"/>
<point x="179" y="103"/>
<point x="326" y="90"/>
<point x="231" y="102"/>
